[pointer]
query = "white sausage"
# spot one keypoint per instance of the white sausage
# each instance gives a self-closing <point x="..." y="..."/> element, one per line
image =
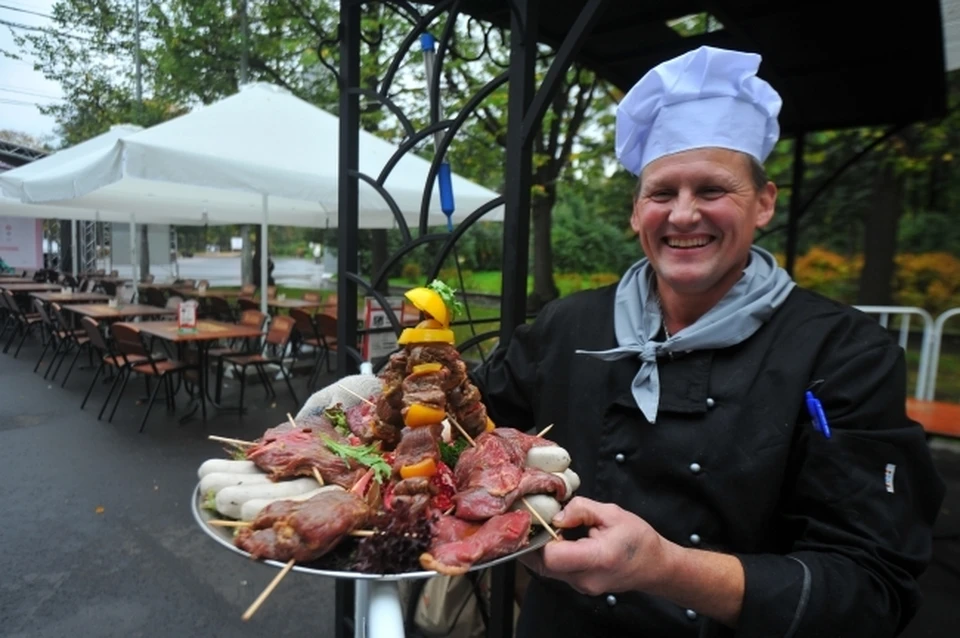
<point x="549" y="458"/>
<point x="546" y="506"/>
<point x="572" y="479"/>
<point x="216" y="481"/>
<point x="250" y="509"/>
<point x="226" y="465"/>
<point x="230" y="500"/>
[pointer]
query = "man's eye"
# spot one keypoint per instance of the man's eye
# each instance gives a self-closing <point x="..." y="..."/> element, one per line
<point x="661" y="196"/>
<point x="711" y="192"/>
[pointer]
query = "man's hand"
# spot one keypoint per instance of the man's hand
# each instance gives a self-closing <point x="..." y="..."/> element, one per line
<point x="622" y="552"/>
<point x="345" y="391"/>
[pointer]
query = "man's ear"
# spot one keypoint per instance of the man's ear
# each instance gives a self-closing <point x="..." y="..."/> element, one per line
<point x="635" y="216"/>
<point x="768" y="204"/>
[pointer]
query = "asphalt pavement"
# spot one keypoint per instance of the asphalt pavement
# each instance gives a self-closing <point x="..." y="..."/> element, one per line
<point x="98" y="539"/>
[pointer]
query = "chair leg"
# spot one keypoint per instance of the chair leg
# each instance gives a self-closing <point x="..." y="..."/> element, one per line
<point x="13" y="335"/>
<point x="123" y="386"/>
<point x="96" y="375"/>
<point x="70" y="369"/>
<point x="23" y="338"/>
<point x="286" y="378"/>
<point x="63" y="357"/>
<point x="265" y="380"/>
<point x="46" y="346"/>
<point x="53" y="358"/>
<point x="243" y="384"/>
<point x="153" y="396"/>
<point x="113" y="386"/>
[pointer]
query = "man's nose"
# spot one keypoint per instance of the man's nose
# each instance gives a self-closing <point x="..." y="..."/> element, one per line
<point x="685" y="211"/>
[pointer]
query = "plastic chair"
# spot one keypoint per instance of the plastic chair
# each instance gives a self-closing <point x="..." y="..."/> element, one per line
<point x="23" y="322"/>
<point x="252" y="318"/>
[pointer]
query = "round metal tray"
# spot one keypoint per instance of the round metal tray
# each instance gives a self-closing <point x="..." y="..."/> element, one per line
<point x="224" y="536"/>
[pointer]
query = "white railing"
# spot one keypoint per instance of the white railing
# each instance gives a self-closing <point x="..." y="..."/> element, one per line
<point x="925" y="383"/>
<point x="936" y="344"/>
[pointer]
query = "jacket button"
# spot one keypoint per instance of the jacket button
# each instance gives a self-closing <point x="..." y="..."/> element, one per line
<point x="695" y="468"/>
<point x="620" y="458"/>
<point x="694" y="539"/>
<point x="710" y="402"/>
<point x="611" y="600"/>
<point x="692" y="615"/>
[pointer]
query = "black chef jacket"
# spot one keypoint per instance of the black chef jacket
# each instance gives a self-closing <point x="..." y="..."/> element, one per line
<point x="832" y="533"/>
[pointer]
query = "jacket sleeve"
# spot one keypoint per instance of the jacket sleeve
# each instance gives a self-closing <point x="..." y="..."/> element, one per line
<point x="508" y="379"/>
<point x="857" y="510"/>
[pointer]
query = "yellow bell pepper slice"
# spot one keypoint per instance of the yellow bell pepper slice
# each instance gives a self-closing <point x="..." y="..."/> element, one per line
<point x="430" y="302"/>
<point x="423" y="368"/>
<point x="490" y="425"/>
<point x="431" y="324"/>
<point x="426" y="335"/>
<point x="419" y="414"/>
<point x="427" y="467"/>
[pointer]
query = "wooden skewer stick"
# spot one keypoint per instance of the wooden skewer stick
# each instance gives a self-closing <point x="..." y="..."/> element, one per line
<point x="536" y="515"/>
<point x="292" y="422"/>
<point x="364" y="399"/>
<point x="247" y="615"/>
<point x="462" y="431"/>
<point x="316" y="475"/>
<point x="237" y="442"/>
<point x="545" y="430"/>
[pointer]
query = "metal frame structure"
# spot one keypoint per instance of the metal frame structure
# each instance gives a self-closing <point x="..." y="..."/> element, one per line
<point x="527" y="104"/>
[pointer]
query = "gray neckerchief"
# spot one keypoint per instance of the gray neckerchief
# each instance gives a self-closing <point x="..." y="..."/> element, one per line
<point x="637" y="320"/>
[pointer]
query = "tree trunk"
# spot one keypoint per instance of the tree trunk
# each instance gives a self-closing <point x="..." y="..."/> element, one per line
<point x="144" y="251"/>
<point x="880" y="240"/>
<point x="378" y="255"/>
<point x="544" y="289"/>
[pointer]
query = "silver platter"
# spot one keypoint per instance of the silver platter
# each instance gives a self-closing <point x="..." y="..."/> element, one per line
<point x="224" y="536"/>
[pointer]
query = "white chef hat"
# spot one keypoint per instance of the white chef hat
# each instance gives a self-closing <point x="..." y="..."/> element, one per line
<point x="707" y="97"/>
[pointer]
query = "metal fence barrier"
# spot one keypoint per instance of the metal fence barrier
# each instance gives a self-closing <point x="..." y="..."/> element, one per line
<point x="925" y="373"/>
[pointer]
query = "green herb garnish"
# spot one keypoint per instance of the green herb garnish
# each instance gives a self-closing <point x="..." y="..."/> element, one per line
<point x="210" y="501"/>
<point x="449" y="296"/>
<point x="338" y="418"/>
<point x="238" y="454"/>
<point x="367" y="455"/>
<point x="450" y="452"/>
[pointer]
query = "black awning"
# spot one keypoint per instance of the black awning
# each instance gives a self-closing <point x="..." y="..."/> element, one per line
<point x="837" y="64"/>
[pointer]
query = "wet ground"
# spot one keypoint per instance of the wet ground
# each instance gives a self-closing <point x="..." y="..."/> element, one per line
<point x="98" y="538"/>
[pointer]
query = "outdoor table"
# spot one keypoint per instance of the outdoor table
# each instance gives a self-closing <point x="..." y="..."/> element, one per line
<point x="13" y="280"/>
<point x="126" y="311"/>
<point x="70" y="297"/>
<point x="159" y="286"/>
<point x="19" y="289"/>
<point x="207" y="333"/>
<point x="203" y="294"/>
<point x="287" y="304"/>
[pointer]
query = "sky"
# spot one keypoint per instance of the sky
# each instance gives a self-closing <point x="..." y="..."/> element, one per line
<point x="22" y="88"/>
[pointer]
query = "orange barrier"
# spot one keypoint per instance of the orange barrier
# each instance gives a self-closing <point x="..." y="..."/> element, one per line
<point x="936" y="417"/>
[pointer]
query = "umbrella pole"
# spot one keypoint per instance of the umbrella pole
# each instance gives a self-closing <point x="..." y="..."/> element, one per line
<point x="264" y="273"/>
<point x="133" y="249"/>
<point x="73" y="248"/>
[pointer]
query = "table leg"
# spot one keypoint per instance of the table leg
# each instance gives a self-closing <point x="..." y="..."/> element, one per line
<point x="377" y="612"/>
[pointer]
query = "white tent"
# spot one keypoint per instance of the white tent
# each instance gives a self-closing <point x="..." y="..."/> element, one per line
<point x="215" y="164"/>
<point x="259" y="156"/>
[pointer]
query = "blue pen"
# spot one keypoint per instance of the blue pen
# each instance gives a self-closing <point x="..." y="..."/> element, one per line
<point x="815" y="408"/>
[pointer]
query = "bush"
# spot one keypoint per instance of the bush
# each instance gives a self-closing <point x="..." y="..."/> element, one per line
<point x="929" y="280"/>
<point x="411" y="271"/>
<point x="829" y="274"/>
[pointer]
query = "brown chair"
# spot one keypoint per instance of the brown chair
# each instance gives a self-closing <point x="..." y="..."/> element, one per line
<point x="76" y="339"/>
<point x="108" y="357"/>
<point x="149" y="279"/>
<point x="327" y="331"/>
<point x="114" y="274"/>
<point x="313" y="297"/>
<point x="271" y="292"/>
<point x="23" y="322"/>
<point x="248" y="304"/>
<point x="310" y="336"/>
<point x="247" y="291"/>
<point x="253" y="318"/>
<point x="129" y="343"/>
<point x="275" y="343"/>
<point x="329" y="306"/>
<point x="220" y="309"/>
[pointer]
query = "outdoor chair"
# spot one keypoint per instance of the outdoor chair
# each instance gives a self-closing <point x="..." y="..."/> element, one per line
<point x="219" y="308"/>
<point x="76" y="339"/>
<point x="149" y="279"/>
<point x="275" y="345"/>
<point x="247" y="291"/>
<point x="309" y="335"/>
<point x="271" y="292"/>
<point x="327" y="331"/>
<point x="114" y="274"/>
<point x="248" y="304"/>
<point x="313" y="297"/>
<point x="253" y="318"/>
<point x="24" y="322"/>
<point x="108" y="288"/>
<point x="129" y="343"/>
<point x="153" y="297"/>
<point x="109" y="358"/>
<point x="50" y="335"/>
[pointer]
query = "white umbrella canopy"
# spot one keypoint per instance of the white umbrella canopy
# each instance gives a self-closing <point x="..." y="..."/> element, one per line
<point x="215" y="164"/>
